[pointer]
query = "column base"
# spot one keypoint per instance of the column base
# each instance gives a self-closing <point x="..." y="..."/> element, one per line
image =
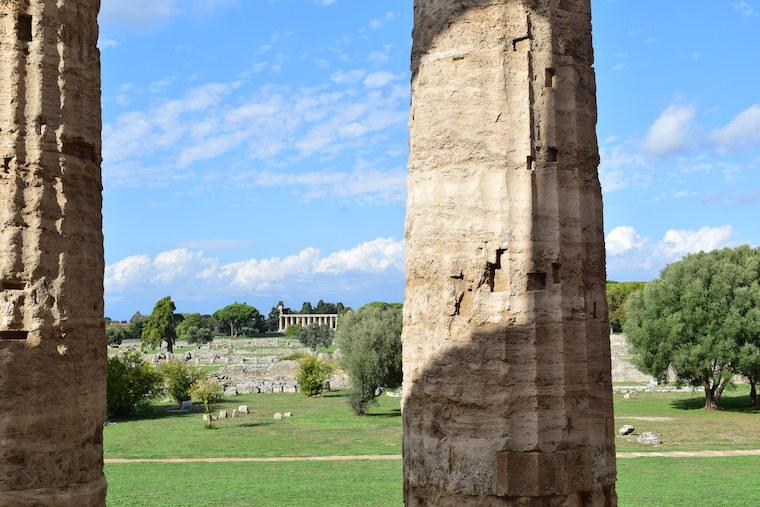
<point x="92" y="494"/>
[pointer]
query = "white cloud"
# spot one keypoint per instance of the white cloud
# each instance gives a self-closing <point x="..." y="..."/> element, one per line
<point x="149" y="13"/>
<point x="622" y="239"/>
<point x="325" y="3"/>
<point x="107" y="43"/>
<point x="375" y="256"/>
<point x="379" y="79"/>
<point x="742" y="132"/>
<point x="745" y="8"/>
<point x="193" y="269"/>
<point x="672" y="132"/>
<point x="679" y="242"/>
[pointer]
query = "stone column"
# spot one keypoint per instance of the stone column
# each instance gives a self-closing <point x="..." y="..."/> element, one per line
<point x="52" y="337"/>
<point x="507" y="392"/>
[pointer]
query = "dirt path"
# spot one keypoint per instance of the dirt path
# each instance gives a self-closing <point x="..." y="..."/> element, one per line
<point x="392" y="457"/>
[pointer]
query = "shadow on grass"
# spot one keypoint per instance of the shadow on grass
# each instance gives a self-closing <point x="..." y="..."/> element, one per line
<point x="254" y="425"/>
<point x="396" y="412"/>
<point x="738" y="404"/>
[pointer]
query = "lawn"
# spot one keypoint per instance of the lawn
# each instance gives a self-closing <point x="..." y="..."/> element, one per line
<point x="320" y="427"/>
<point x="642" y="482"/>
<point x="326" y="426"/>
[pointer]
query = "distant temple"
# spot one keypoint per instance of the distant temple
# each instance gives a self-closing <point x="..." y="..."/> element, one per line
<point x="306" y="319"/>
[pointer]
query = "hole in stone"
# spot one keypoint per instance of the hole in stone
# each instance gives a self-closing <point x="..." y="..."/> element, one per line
<point x="536" y="281"/>
<point x="12" y="285"/>
<point x="551" y="154"/>
<point x="593" y="313"/>
<point x="14" y="335"/>
<point x="7" y="164"/>
<point x="550" y="77"/>
<point x="24" y="28"/>
<point x="555" y="272"/>
<point x="497" y="277"/>
<point x="530" y="162"/>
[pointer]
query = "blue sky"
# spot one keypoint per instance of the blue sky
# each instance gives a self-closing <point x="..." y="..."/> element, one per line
<point x="255" y="150"/>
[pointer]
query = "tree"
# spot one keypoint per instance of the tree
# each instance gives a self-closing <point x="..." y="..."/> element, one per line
<point x="316" y="336"/>
<point x="179" y="378"/>
<point x="237" y="315"/>
<point x="161" y="325"/>
<point x="196" y="328"/>
<point x="312" y="375"/>
<point x="306" y="309"/>
<point x="208" y="391"/>
<point x="136" y="324"/>
<point x="117" y="334"/>
<point x="369" y="342"/>
<point x="693" y="319"/>
<point x="131" y="383"/>
<point x="617" y="294"/>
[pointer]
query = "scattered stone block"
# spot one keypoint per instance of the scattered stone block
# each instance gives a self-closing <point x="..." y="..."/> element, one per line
<point x="627" y="396"/>
<point x="649" y="438"/>
<point x="234" y="413"/>
<point x="223" y="414"/>
<point x="243" y="409"/>
<point x="278" y="416"/>
<point x="288" y="414"/>
<point x="626" y="430"/>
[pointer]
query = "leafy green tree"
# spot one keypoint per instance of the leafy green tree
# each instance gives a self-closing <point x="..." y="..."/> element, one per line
<point x="131" y="384"/>
<point x="238" y="315"/>
<point x="136" y="324"/>
<point x="316" y="336"/>
<point x="312" y="375"/>
<point x="208" y="391"/>
<point x="307" y="309"/>
<point x="693" y="319"/>
<point x="617" y="294"/>
<point x="196" y="328"/>
<point x="117" y="334"/>
<point x="369" y="342"/>
<point x="179" y="378"/>
<point x="161" y="325"/>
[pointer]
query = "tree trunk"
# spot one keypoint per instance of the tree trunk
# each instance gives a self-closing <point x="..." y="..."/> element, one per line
<point x="753" y="393"/>
<point x="710" y="401"/>
<point x="170" y="346"/>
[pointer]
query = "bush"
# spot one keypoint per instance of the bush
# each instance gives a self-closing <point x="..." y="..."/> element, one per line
<point x="131" y="384"/>
<point x="369" y="342"/>
<point x="208" y="391"/>
<point x="316" y="336"/>
<point x="293" y="331"/>
<point x="117" y="334"/>
<point x="179" y="377"/>
<point x="198" y="335"/>
<point x="312" y="375"/>
<point x="295" y="356"/>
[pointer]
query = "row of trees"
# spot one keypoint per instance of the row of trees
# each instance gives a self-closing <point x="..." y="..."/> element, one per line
<point x="701" y="318"/>
<point x="164" y="325"/>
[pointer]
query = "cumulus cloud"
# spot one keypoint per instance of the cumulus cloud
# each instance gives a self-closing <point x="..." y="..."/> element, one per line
<point x="742" y="132"/>
<point x="189" y="268"/>
<point x="672" y="132"/>
<point x="679" y="242"/>
<point x="622" y="239"/>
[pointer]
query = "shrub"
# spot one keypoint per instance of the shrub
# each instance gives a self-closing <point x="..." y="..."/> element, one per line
<point x="295" y="356"/>
<point x="315" y="337"/>
<point x="312" y="375"/>
<point x="369" y="342"/>
<point x="117" y="334"/>
<point x="208" y="391"/>
<point x="293" y="331"/>
<point x="131" y="384"/>
<point x="179" y="377"/>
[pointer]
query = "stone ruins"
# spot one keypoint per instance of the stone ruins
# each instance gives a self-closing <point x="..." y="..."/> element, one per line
<point x="304" y="320"/>
<point x="52" y="341"/>
<point x="507" y="392"/>
<point x="507" y="396"/>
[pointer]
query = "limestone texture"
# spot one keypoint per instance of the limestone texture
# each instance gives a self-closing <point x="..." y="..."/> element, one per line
<point x="507" y="395"/>
<point x="52" y="337"/>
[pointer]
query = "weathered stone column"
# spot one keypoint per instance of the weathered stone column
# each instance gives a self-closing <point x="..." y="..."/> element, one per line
<point x="52" y="339"/>
<point x="507" y="389"/>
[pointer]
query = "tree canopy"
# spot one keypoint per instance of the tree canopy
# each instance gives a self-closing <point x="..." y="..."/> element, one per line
<point x="239" y="315"/>
<point x="701" y="317"/>
<point x="617" y="294"/>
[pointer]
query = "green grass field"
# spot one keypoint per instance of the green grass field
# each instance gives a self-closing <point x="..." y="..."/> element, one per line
<point x="326" y="426"/>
